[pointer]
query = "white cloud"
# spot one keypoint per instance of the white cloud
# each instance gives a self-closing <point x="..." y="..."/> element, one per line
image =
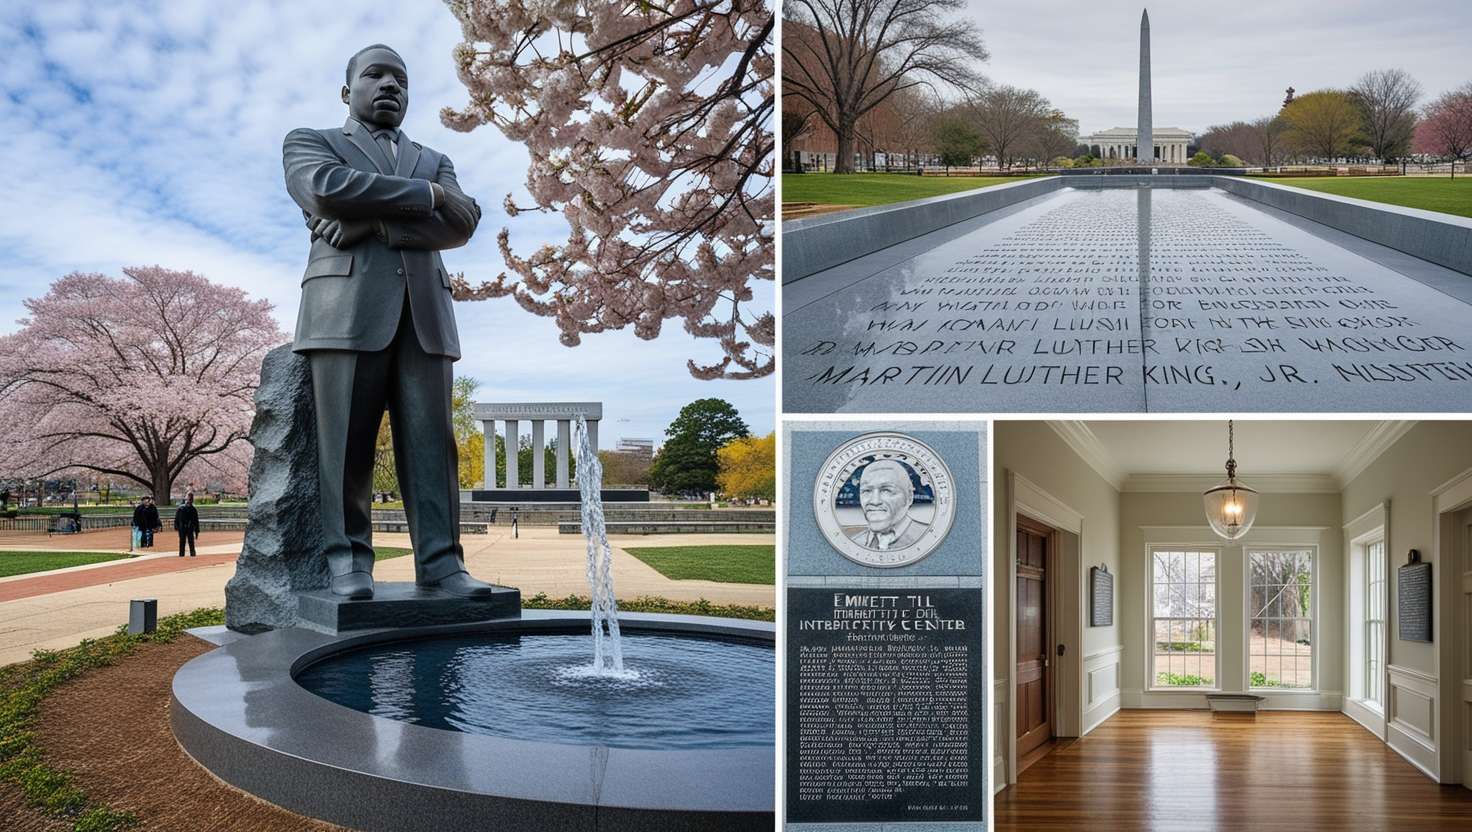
<point x="151" y="133"/>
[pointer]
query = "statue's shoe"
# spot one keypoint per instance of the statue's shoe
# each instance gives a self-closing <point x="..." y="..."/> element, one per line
<point x="353" y="585"/>
<point x="462" y="585"/>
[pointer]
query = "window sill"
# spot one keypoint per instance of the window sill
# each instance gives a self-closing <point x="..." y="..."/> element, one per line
<point x="1262" y="691"/>
<point x="1183" y="690"/>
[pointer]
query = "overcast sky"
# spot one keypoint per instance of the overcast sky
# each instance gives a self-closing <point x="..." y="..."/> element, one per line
<point x="150" y="133"/>
<point x="1217" y="62"/>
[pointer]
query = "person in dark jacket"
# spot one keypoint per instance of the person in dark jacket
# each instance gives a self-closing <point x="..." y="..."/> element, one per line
<point x="140" y="519"/>
<point x="151" y="521"/>
<point x="186" y="523"/>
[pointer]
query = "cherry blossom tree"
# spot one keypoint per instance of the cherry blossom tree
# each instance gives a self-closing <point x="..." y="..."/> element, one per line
<point x="1446" y="129"/>
<point x="149" y="377"/>
<point x="649" y="129"/>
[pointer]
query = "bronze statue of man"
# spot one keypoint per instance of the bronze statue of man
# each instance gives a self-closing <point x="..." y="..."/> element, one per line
<point x="377" y="323"/>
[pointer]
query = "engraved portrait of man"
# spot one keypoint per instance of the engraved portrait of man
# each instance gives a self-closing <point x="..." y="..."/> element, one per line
<point x="886" y="493"/>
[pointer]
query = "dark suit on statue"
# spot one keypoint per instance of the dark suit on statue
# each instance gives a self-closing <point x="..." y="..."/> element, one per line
<point x="377" y="323"/>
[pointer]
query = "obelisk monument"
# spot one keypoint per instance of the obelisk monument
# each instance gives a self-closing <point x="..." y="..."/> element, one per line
<point x="1144" y="137"/>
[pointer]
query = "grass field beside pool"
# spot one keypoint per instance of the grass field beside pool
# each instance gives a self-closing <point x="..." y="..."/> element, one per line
<point x="387" y="552"/>
<point x="865" y="189"/>
<point x="24" y="563"/>
<point x="1449" y="196"/>
<point x="726" y="564"/>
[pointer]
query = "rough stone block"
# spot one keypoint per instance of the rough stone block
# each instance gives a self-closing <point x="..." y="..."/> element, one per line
<point x="282" y="554"/>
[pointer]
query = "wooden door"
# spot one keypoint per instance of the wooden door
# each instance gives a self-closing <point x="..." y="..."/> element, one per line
<point x="1033" y="692"/>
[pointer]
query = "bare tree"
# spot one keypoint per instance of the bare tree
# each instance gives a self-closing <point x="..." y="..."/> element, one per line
<point x="1387" y="102"/>
<point x="845" y="57"/>
<point x="913" y="124"/>
<point x="1268" y="144"/>
<point x="1054" y="135"/>
<point x="1006" y="116"/>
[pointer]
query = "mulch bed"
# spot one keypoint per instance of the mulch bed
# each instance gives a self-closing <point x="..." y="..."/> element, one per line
<point x="110" y="729"/>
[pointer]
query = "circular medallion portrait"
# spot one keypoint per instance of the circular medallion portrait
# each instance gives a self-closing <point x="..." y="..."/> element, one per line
<point x="884" y="499"/>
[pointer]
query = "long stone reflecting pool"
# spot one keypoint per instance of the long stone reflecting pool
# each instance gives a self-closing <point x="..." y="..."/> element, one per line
<point x="1130" y="299"/>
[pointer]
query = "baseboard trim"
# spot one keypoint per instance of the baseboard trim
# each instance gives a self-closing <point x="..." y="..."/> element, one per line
<point x="1368" y="718"/>
<point x="1415" y="750"/>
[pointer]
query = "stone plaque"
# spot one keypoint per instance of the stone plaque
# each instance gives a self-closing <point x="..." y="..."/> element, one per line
<point x="1101" y="597"/>
<point x="1128" y="300"/>
<point x="884" y="500"/>
<point x="885" y="705"/>
<point x="1413" y="602"/>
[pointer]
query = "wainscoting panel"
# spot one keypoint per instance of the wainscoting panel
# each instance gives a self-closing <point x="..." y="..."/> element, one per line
<point x="1411" y="728"/>
<point x="1002" y="743"/>
<point x="1101" y="685"/>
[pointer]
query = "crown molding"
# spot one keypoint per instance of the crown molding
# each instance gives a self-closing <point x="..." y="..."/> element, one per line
<point x="1264" y="483"/>
<point x="1374" y="443"/>
<point x="1077" y="435"/>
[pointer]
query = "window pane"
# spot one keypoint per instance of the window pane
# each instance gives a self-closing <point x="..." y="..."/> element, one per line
<point x="1279" y="627"/>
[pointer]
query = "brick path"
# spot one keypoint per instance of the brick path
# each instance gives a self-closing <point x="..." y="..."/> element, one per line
<point x="109" y="573"/>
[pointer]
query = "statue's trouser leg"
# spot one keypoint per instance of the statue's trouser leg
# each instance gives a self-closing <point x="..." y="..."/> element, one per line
<point x="349" y="390"/>
<point x="425" y="454"/>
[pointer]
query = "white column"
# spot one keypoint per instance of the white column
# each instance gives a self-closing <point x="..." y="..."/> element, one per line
<point x="539" y="455"/>
<point x="513" y="443"/>
<point x="564" y="439"/>
<point x="593" y="435"/>
<point x="488" y="427"/>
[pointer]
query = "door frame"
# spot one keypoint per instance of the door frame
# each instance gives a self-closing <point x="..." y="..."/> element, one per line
<point x="1050" y="623"/>
<point x="1027" y="498"/>
<point x="1448" y="500"/>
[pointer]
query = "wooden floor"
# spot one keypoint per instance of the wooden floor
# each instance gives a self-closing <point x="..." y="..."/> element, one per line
<point x="1178" y="771"/>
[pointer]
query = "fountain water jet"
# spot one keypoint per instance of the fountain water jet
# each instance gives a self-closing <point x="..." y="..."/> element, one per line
<point x="608" y="657"/>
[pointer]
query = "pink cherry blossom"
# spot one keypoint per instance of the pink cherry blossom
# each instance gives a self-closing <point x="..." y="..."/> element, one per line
<point x="150" y="378"/>
<point x="649" y="129"/>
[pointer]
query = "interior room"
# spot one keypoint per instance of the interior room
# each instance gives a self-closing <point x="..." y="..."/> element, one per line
<point x="1178" y="648"/>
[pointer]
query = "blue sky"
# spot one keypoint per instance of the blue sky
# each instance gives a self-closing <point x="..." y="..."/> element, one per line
<point x="1218" y="62"/>
<point x="143" y="133"/>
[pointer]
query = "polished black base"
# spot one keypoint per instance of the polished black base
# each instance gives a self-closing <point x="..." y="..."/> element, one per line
<point x="403" y="605"/>
<point x="239" y="712"/>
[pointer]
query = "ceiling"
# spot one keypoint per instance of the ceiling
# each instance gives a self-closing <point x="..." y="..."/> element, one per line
<point x="1303" y="455"/>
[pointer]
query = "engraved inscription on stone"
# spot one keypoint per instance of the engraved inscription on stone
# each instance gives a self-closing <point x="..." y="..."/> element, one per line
<point x="884" y="705"/>
<point x="1413" y="602"/>
<point x="1132" y="299"/>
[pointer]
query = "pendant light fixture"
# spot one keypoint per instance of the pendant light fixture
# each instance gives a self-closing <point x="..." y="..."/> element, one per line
<point x="1231" y="506"/>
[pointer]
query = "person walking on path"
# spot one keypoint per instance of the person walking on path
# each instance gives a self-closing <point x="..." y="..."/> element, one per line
<point x="140" y="519"/>
<point x="151" y="521"/>
<point x="186" y="523"/>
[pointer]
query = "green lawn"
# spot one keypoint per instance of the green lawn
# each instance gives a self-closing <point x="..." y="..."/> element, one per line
<point x="1451" y="196"/>
<point x="387" y="552"/>
<point x="878" y="188"/>
<point x="24" y="563"/>
<point x="727" y="564"/>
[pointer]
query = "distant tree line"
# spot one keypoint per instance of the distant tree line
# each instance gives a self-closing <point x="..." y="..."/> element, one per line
<point x="1380" y="117"/>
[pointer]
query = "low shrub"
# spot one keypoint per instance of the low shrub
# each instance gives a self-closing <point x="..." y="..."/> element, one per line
<point x="653" y="603"/>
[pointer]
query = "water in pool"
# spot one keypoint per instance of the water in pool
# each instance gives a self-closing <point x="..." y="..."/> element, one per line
<point x="677" y="692"/>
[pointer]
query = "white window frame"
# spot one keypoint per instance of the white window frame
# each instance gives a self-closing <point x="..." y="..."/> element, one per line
<point x="1369" y="560"/>
<point x="1150" y="683"/>
<point x="1316" y="603"/>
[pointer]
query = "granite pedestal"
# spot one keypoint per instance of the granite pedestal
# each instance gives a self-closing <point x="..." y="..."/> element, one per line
<point x="403" y="605"/>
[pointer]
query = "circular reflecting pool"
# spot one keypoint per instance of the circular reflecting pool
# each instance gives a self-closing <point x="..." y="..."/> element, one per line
<point x="677" y="691"/>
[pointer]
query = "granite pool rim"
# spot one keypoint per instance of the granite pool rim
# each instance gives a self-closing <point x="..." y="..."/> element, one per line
<point x="239" y="712"/>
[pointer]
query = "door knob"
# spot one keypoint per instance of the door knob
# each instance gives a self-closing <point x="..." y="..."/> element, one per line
<point x="1062" y="648"/>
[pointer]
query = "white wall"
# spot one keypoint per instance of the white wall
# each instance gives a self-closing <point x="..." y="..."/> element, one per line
<point x="1430" y="454"/>
<point x="1287" y="519"/>
<point x="1034" y="451"/>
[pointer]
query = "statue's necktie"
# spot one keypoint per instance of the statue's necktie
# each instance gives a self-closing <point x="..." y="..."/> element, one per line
<point x="386" y="141"/>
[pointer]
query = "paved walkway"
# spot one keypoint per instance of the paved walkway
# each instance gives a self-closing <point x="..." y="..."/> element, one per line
<point x="91" y="601"/>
